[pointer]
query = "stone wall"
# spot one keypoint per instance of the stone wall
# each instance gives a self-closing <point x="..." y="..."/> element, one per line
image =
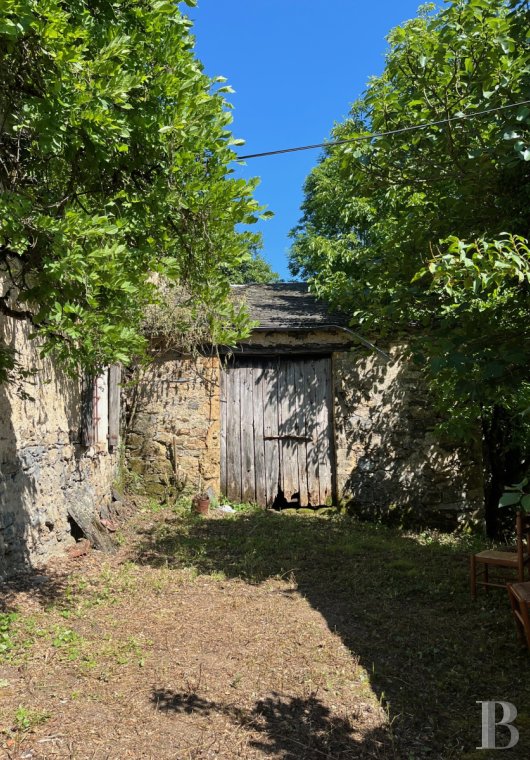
<point x="390" y="462"/>
<point x="44" y="467"/>
<point x="173" y="430"/>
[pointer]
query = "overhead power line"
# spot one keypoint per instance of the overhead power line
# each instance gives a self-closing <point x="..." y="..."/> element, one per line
<point x="372" y="136"/>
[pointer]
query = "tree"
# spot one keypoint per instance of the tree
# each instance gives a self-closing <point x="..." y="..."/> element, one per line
<point x="406" y="230"/>
<point x="114" y="170"/>
<point x="256" y="269"/>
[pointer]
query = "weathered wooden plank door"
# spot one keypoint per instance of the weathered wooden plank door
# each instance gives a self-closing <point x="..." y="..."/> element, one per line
<point x="276" y="431"/>
<point x="269" y="397"/>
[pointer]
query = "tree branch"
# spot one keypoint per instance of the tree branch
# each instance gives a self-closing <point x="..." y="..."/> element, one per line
<point x="20" y="314"/>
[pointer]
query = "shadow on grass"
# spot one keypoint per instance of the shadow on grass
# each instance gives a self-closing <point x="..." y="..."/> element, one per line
<point x="401" y="604"/>
<point x="288" y="728"/>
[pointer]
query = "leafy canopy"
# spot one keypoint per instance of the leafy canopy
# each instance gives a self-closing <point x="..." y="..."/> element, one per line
<point x="114" y="171"/>
<point x="256" y="269"/>
<point x="425" y="232"/>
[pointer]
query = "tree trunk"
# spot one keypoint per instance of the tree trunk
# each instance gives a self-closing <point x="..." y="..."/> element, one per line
<point x="502" y="462"/>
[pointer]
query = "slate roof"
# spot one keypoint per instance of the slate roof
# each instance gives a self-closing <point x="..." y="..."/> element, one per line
<point x="287" y="305"/>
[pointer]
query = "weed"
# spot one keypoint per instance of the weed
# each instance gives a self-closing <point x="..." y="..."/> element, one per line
<point x="153" y="505"/>
<point x="218" y="575"/>
<point x="183" y="503"/>
<point x="17" y="636"/>
<point x="26" y="719"/>
<point x="7" y="636"/>
<point x="133" y="482"/>
<point x="64" y="637"/>
<point x="69" y="641"/>
<point x="246" y="507"/>
<point x="120" y="538"/>
<point x="122" y="652"/>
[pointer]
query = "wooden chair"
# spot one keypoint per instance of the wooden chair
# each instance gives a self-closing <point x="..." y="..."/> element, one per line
<point x="519" y="594"/>
<point x="515" y="560"/>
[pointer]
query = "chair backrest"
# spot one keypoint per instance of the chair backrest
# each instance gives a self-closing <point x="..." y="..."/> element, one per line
<point x="522" y="529"/>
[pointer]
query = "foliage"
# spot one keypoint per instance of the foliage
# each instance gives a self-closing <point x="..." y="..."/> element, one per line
<point x="425" y="232"/>
<point x="114" y="165"/>
<point x="178" y="322"/>
<point x="256" y="269"/>
<point x="481" y="271"/>
<point x="6" y="638"/>
<point x="516" y="496"/>
<point x="7" y="362"/>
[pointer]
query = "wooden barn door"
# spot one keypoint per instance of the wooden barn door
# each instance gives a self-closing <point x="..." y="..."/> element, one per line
<point x="276" y="431"/>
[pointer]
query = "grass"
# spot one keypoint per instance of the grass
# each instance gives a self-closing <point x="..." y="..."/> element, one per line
<point x="399" y="601"/>
<point x="260" y="635"/>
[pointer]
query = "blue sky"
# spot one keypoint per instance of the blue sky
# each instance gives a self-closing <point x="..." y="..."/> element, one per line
<point x="296" y="65"/>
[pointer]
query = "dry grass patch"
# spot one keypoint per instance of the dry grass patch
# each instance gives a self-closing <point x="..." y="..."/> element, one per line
<point x="254" y="636"/>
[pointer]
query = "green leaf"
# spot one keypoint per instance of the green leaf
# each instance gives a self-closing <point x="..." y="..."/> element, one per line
<point x="404" y="234"/>
<point x="509" y="499"/>
<point x="124" y="170"/>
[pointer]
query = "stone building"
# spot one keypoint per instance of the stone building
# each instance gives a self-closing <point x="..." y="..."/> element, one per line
<point x="301" y="414"/>
<point x="58" y="455"/>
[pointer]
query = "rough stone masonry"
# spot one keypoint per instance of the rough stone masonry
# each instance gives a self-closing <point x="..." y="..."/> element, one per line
<point x="44" y="467"/>
<point x="389" y="461"/>
<point x="173" y="436"/>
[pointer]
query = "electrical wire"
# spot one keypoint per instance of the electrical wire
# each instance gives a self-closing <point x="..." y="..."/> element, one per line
<point x="390" y="132"/>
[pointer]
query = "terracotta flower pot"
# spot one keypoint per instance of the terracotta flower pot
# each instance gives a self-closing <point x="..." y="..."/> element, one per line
<point x="202" y="506"/>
